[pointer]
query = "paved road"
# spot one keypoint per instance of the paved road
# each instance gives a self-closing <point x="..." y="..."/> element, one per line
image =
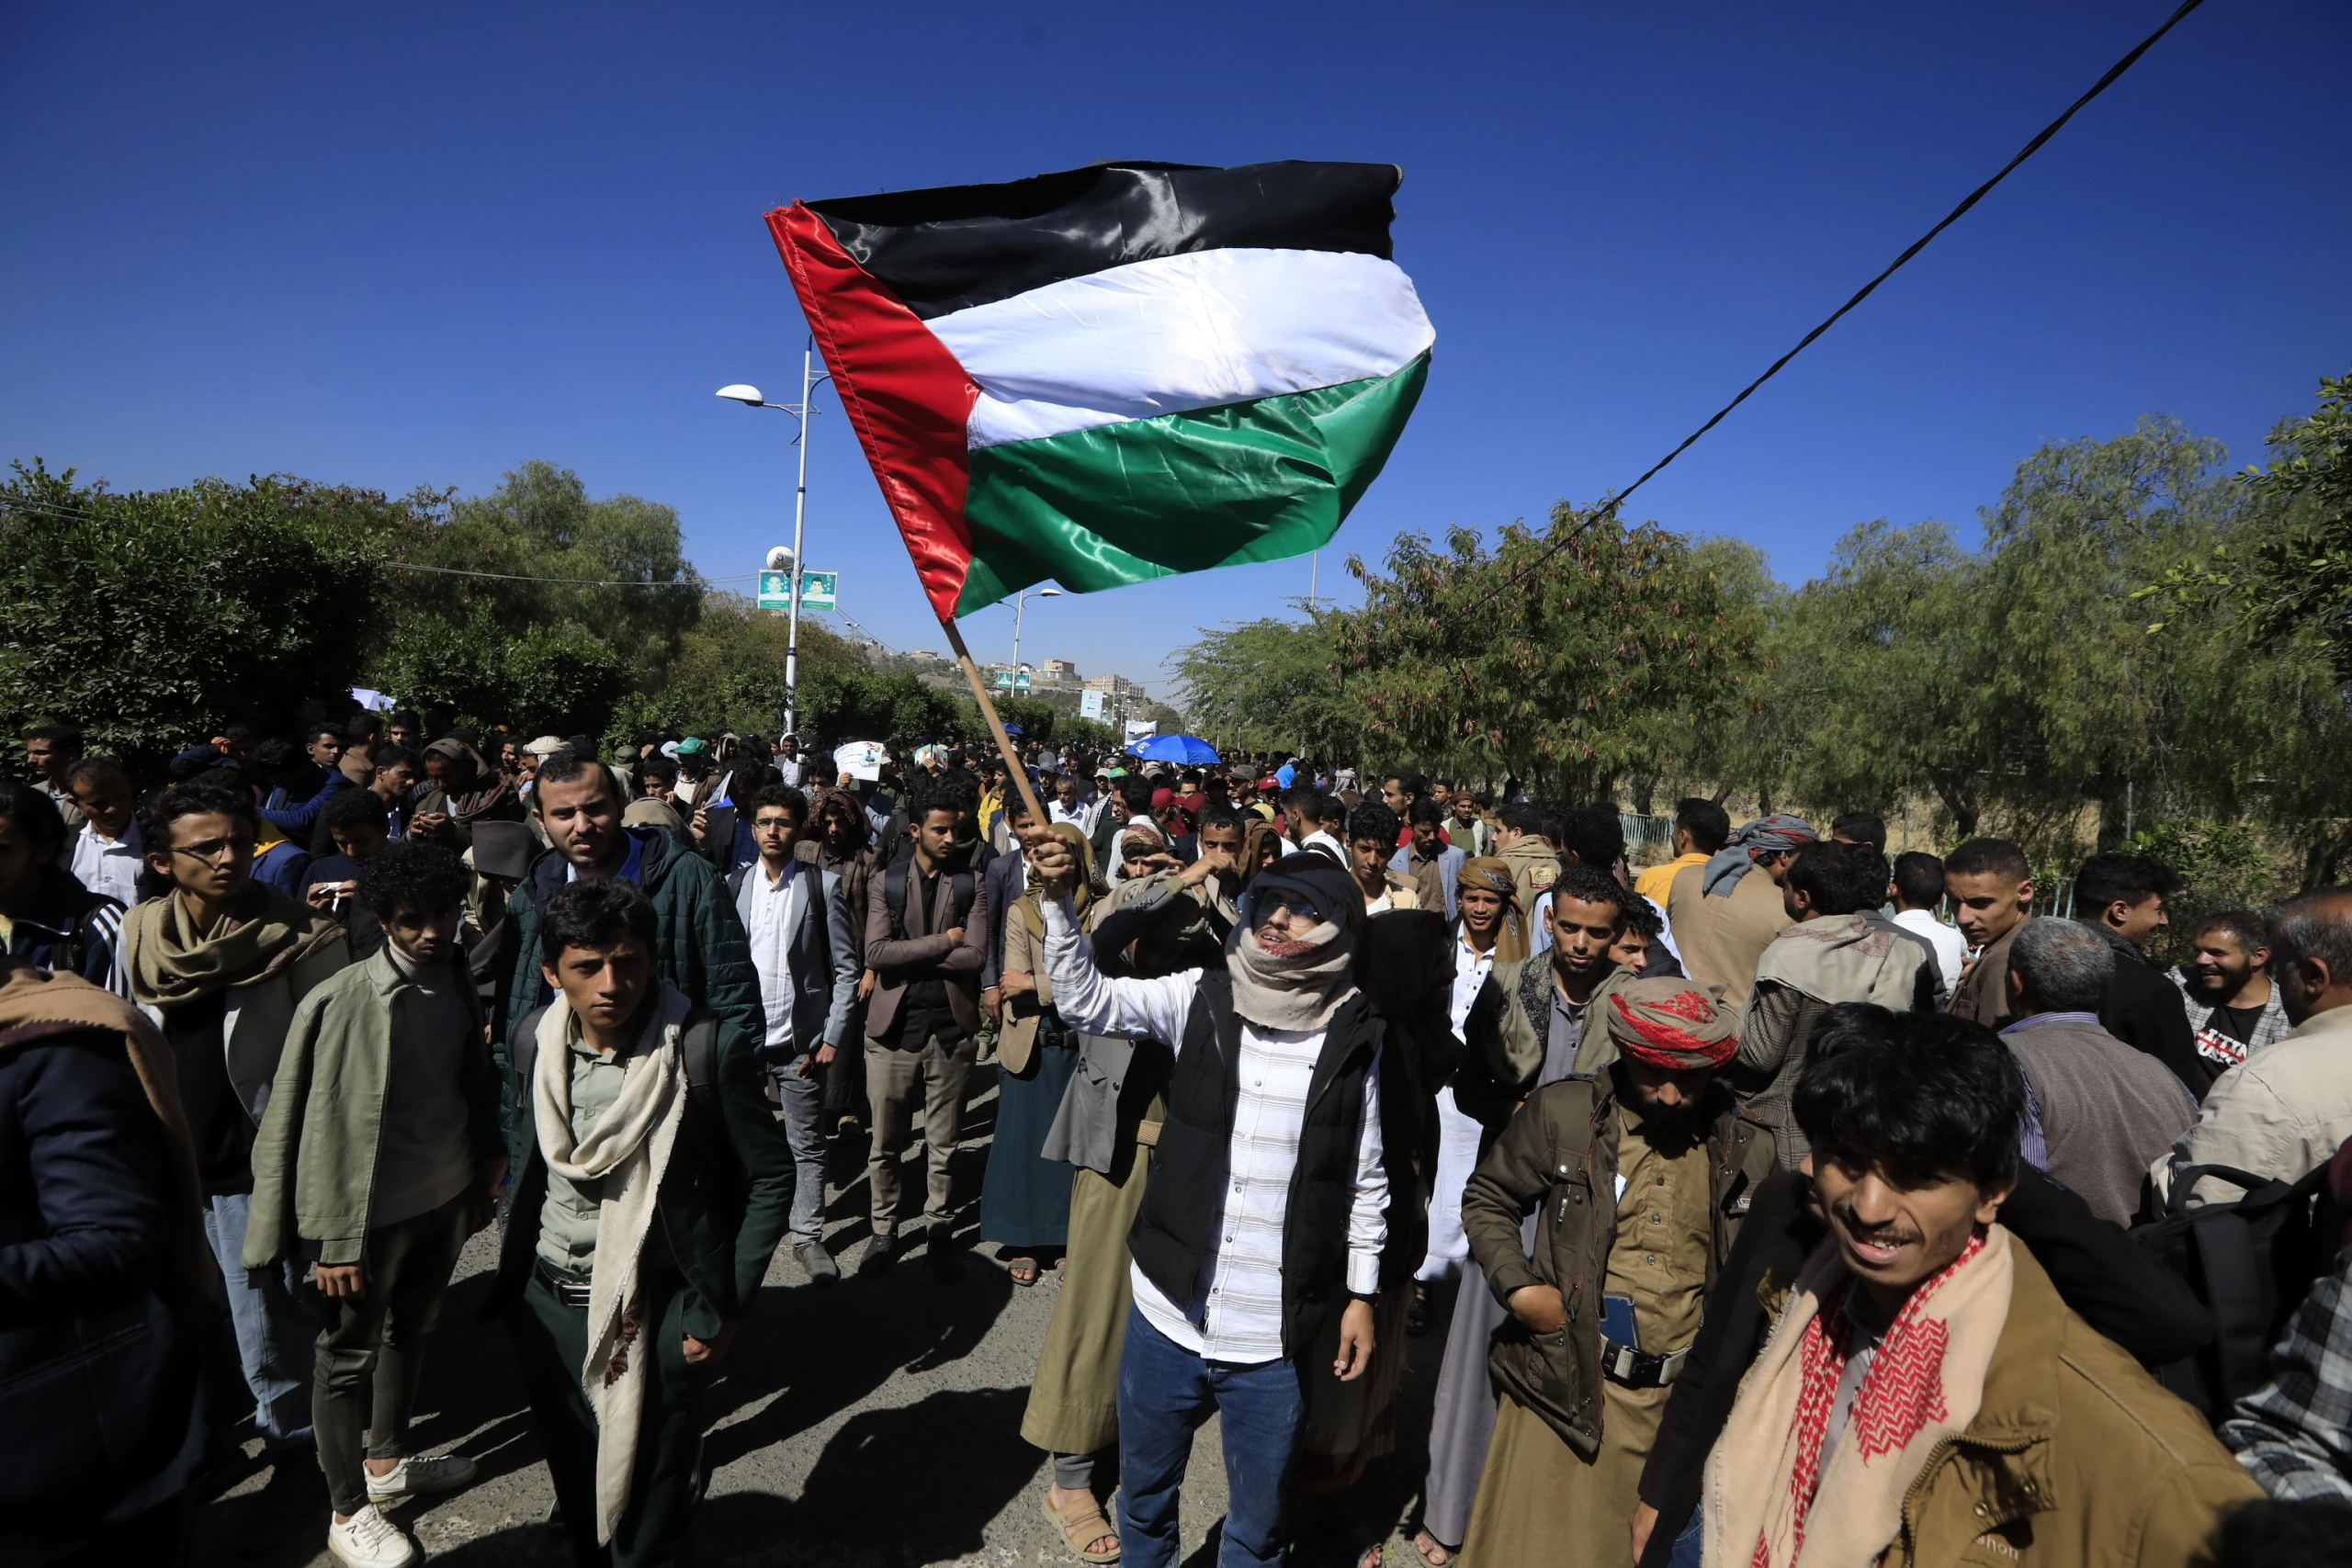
<point x="874" y="1424"/>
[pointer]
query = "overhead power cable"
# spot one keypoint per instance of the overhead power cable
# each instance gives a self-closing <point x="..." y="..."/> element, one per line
<point x="2114" y="73"/>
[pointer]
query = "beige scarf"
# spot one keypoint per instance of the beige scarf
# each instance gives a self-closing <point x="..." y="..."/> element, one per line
<point x="1773" y="1498"/>
<point x="626" y="1152"/>
<point x="171" y="963"/>
<point x="1298" y="990"/>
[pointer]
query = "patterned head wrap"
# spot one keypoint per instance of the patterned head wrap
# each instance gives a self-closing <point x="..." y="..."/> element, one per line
<point x="1488" y="874"/>
<point x="1765" y="836"/>
<point x="1672" y="1023"/>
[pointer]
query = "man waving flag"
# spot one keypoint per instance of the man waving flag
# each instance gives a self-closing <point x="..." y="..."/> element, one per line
<point x="1121" y="372"/>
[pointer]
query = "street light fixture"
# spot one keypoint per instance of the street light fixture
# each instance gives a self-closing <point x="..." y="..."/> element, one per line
<point x="748" y="396"/>
<point x="1020" y="600"/>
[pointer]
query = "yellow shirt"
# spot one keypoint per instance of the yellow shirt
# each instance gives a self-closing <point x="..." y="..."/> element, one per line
<point x="1653" y="883"/>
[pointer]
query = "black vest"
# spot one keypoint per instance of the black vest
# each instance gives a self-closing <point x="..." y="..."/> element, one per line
<point x="1175" y="1237"/>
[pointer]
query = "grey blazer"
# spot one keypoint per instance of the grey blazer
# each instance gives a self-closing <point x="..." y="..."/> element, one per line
<point x="825" y="952"/>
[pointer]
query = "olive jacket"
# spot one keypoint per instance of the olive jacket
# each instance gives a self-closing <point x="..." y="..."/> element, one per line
<point x="2077" y="1456"/>
<point x="314" y="1156"/>
<point x="1558" y="1156"/>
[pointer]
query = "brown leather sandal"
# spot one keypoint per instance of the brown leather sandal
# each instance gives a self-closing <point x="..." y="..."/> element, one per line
<point x="1082" y="1525"/>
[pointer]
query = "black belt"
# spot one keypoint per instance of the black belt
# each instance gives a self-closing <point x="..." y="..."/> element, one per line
<point x="571" y="1290"/>
<point x="1624" y="1365"/>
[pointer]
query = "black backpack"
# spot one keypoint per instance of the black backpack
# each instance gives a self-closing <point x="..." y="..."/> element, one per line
<point x="966" y="887"/>
<point x="2250" y="1262"/>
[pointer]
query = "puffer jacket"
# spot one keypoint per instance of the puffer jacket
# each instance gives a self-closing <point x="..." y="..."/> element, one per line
<point x="1558" y="1156"/>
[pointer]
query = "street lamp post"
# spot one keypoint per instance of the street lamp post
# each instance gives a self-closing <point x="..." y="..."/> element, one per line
<point x="1020" y="600"/>
<point x="750" y="397"/>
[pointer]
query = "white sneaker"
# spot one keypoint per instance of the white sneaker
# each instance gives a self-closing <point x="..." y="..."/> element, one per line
<point x="370" y="1540"/>
<point x="417" y="1477"/>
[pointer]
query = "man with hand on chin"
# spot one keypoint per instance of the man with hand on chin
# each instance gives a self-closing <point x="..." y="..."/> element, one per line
<point x="652" y="1185"/>
<point x="1928" y="1396"/>
<point x="1639" y="1177"/>
<point x="1268" y="1204"/>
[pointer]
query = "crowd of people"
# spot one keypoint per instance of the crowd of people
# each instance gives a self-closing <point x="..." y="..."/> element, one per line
<point x="1776" y="1203"/>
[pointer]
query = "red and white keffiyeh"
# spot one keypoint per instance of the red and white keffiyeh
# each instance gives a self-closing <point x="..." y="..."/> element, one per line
<point x="1773" y="1496"/>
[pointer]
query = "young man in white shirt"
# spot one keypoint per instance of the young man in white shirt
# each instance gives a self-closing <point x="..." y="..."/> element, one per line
<point x="1918" y="887"/>
<point x="806" y="950"/>
<point x="104" y="857"/>
<point x="1268" y="1204"/>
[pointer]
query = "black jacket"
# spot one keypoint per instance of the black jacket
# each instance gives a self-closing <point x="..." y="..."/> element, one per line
<point x="1174" y="1239"/>
<point x="2145" y="1010"/>
<point x="100" y="1409"/>
<point x="68" y="928"/>
<point x="2116" y="1286"/>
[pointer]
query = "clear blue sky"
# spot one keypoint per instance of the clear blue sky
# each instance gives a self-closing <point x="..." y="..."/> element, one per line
<point x="418" y="245"/>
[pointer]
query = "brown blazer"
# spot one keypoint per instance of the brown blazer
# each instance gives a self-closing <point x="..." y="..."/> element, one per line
<point x="1983" y="997"/>
<point x="925" y="952"/>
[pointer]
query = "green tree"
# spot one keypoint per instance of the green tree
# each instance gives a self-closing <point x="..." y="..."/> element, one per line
<point x="1269" y="685"/>
<point x="1571" y="656"/>
<point x="1881" y="669"/>
<point x="2090" y="710"/>
<point x="2294" y="576"/>
<point x="153" y="618"/>
<point x="505" y="609"/>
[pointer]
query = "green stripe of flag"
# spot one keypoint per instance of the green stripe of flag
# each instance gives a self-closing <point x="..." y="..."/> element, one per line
<point x="1249" y="481"/>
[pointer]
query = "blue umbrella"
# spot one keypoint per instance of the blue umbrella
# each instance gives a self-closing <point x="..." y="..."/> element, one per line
<point x="1012" y="729"/>
<point x="1188" y="751"/>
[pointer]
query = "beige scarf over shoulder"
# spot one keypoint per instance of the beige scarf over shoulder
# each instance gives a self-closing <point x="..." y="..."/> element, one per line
<point x="626" y="1151"/>
<point x="1773" y="1498"/>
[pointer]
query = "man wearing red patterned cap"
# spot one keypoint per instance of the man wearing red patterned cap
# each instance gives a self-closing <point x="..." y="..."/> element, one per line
<point x="1636" y="1179"/>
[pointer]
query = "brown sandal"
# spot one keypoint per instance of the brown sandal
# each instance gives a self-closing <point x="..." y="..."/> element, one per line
<point x="1082" y="1524"/>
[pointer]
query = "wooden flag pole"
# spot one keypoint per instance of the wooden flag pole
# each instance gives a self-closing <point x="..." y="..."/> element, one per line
<point x="996" y="725"/>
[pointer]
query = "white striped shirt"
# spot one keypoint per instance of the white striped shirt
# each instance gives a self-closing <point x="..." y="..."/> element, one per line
<point x="1236" y="1314"/>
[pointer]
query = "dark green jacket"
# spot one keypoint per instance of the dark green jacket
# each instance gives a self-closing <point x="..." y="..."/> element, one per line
<point x="699" y="947"/>
<point x="724" y="1204"/>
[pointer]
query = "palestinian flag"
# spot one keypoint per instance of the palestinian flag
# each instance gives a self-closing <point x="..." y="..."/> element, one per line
<point x="1118" y="373"/>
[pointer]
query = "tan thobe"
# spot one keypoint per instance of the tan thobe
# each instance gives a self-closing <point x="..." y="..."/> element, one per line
<point x="1983" y="997"/>
<point x="1722" y="938"/>
<point x="1540" y="1503"/>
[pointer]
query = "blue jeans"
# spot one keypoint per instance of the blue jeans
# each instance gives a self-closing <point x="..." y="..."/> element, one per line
<point x="276" y="1336"/>
<point x="1690" y="1544"/>
<point x="1165" y="1393"/>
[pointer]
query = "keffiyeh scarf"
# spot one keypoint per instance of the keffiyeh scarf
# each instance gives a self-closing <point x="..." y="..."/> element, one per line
<point x="1777" y="1488"/>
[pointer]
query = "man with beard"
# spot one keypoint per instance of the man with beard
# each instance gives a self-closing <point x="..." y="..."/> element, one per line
<point x="2232" y="1006"/>
<point x="1927" y="1395"/>
<point x="1638" y="1179"/>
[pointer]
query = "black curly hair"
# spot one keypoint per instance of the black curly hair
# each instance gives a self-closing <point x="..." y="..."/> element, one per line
<point x="412" y="874"/>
